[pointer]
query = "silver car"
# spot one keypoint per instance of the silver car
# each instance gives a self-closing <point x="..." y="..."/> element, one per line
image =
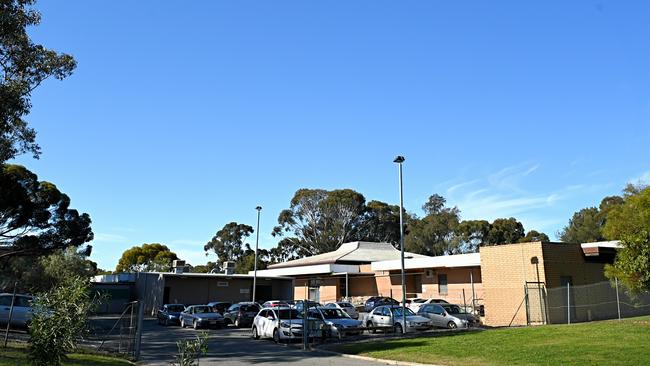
<point x="200" y="316"/>
<point x="345" y="306"/>
<point x="448" y="316"/>
<point x="22" y="312"/>
<point x="391" y="316"/>
<point x="338" y="320"/>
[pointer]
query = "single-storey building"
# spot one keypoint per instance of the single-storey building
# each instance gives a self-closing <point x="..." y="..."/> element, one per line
<point x="158" y="288"/>
<point x="509" y="282"/>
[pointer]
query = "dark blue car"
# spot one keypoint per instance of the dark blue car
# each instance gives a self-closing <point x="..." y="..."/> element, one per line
<point x="170" y="314"/>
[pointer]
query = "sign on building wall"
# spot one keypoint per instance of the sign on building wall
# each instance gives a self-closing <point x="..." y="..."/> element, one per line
<point x="222" y="284"/>
<point x="244" y="291"/>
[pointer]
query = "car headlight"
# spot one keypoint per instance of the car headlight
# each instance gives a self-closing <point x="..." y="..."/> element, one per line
<point x="409" y="324"/>
<point x="285" y="325"/>
<point x="172" y="317"/>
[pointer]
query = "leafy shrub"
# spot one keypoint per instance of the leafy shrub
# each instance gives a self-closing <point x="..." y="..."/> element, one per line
<point x="60" y="317"/>
<point x="190" y="351"/>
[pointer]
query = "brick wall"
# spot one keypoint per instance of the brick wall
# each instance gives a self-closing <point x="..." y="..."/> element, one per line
<point x="504" y="270"/>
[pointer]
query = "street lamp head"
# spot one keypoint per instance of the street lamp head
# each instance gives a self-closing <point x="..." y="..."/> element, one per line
<point x="258" y="208"/>
<point x="399" y="159"/>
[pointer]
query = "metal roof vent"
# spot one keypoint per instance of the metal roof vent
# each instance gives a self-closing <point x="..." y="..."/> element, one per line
<point x="229" y="267"/>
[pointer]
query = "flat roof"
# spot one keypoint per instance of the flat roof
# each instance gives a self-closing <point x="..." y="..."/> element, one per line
<point x="442" y="261"/>
<point x="131" y="277"/>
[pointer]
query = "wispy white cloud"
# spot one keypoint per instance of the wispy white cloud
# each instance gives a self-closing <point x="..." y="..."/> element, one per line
<point x="450" y="191"/>
<point x="510" y="178"/>
<point x="644" y="178"/>
<point x="505" y="193"/>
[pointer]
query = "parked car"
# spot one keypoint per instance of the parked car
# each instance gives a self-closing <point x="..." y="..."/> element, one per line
<point x="170" y="314"/>
<point x="241" y="314"/>
<point x="448" y="316"/>
<point x="337" y="319"/>
<point x="281" y="324"/>
<point x="345" y="306"/>
<point x="200" y="316"/>
<point x="415" y="304"/>
<point x="310" y="304"/>
<point x="275" y="303"/>
<point x="391" y="316"/>
<point x="375" y="301"/>
<point x="219" y="306"/>
<point x="22" y="312"/>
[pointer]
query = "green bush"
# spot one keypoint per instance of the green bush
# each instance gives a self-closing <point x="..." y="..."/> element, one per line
<point x="60" y="317"/>
<point x="190" y="351"/>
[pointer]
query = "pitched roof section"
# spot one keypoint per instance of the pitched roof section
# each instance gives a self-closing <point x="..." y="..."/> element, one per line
<point x="355" y="252"/>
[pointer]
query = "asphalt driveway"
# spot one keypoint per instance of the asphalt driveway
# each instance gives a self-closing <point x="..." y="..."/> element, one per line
<point x="232" y="347"/>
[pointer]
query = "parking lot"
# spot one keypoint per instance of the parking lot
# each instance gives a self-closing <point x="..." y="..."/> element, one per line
<point x="232" y="347"/>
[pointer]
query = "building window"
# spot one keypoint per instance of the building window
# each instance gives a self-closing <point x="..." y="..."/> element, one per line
<point x="417" y="282"/>
<point x="442" y="284"/>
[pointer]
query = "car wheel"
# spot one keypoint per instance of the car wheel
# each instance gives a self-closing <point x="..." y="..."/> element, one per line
<point x="276" y="336"/>
<point x="166" y="322"/>
<point x="255" y="335"/>
<point x="398" y="328"/>
<point x="370" y="325"/>
<point x="227" y="322"/>
<point x="182" y="323"/>
<point x="195" y="324"/>
<point x="451" y="325"/>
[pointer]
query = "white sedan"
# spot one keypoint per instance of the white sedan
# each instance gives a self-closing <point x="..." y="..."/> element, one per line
<point x="281" y="324"/>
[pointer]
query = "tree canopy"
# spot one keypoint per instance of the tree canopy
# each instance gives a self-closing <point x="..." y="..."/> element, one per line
<point x="228" y="243"/>
<point x="35" y="217"/>
<point x="630" y="223"/>
<point x="153" y="257"/>
<point x="434" y="234"/>
<point x="24" y="65"/>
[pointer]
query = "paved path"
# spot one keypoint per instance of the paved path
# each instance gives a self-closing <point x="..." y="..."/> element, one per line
<point x="233" y="347"/>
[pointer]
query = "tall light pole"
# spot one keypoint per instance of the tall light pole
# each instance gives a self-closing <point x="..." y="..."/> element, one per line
<point x="399" y="160"/>
<point x="257" y="243"/>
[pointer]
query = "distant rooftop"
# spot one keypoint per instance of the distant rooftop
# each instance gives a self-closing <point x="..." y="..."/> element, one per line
<point x="358" y="252"/>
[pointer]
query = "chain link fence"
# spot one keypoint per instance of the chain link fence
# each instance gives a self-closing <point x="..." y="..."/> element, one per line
<point x="598" y="301"/>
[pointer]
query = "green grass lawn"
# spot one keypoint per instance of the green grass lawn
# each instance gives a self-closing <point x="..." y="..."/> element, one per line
<point x="16" y="355"/>
<point x="611" y="342"/>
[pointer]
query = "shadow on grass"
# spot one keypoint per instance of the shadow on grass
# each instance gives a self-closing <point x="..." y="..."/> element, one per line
<point x="393" y="343"/>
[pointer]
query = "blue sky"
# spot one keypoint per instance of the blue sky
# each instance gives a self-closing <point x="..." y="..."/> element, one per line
<point x="182" y="118"/>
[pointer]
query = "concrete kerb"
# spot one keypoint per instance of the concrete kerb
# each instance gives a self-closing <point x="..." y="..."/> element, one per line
<point x="372" y="359"/>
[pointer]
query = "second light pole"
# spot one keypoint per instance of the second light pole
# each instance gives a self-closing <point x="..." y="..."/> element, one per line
<point x="399" y="160"/>
<point x="257" y="243"/>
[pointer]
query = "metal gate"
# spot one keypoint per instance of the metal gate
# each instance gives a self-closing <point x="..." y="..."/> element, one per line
<point x="536" y="312"/>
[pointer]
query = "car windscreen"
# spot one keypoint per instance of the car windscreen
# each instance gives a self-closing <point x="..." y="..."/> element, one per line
<point x="419" y="301"/>
<point x="289" y="314"/>
<point x="249" y="308"/>
<point x="345" y="305"/>
<point x="453" y="309"/>
<point x="334" y="314"/>
<point x="202" y="309"/>
<point x="398" y="312"/>
<point x="175" y="308"/>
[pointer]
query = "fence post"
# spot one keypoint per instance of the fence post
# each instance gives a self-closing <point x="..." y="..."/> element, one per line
<point x="305" y="325"/>
<point x="11" y="313"/>
<point x="568" y="303"/>
<point x="618" y="302"/>
<point x="465" y="302"/>
<point x="138" y="333"/>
